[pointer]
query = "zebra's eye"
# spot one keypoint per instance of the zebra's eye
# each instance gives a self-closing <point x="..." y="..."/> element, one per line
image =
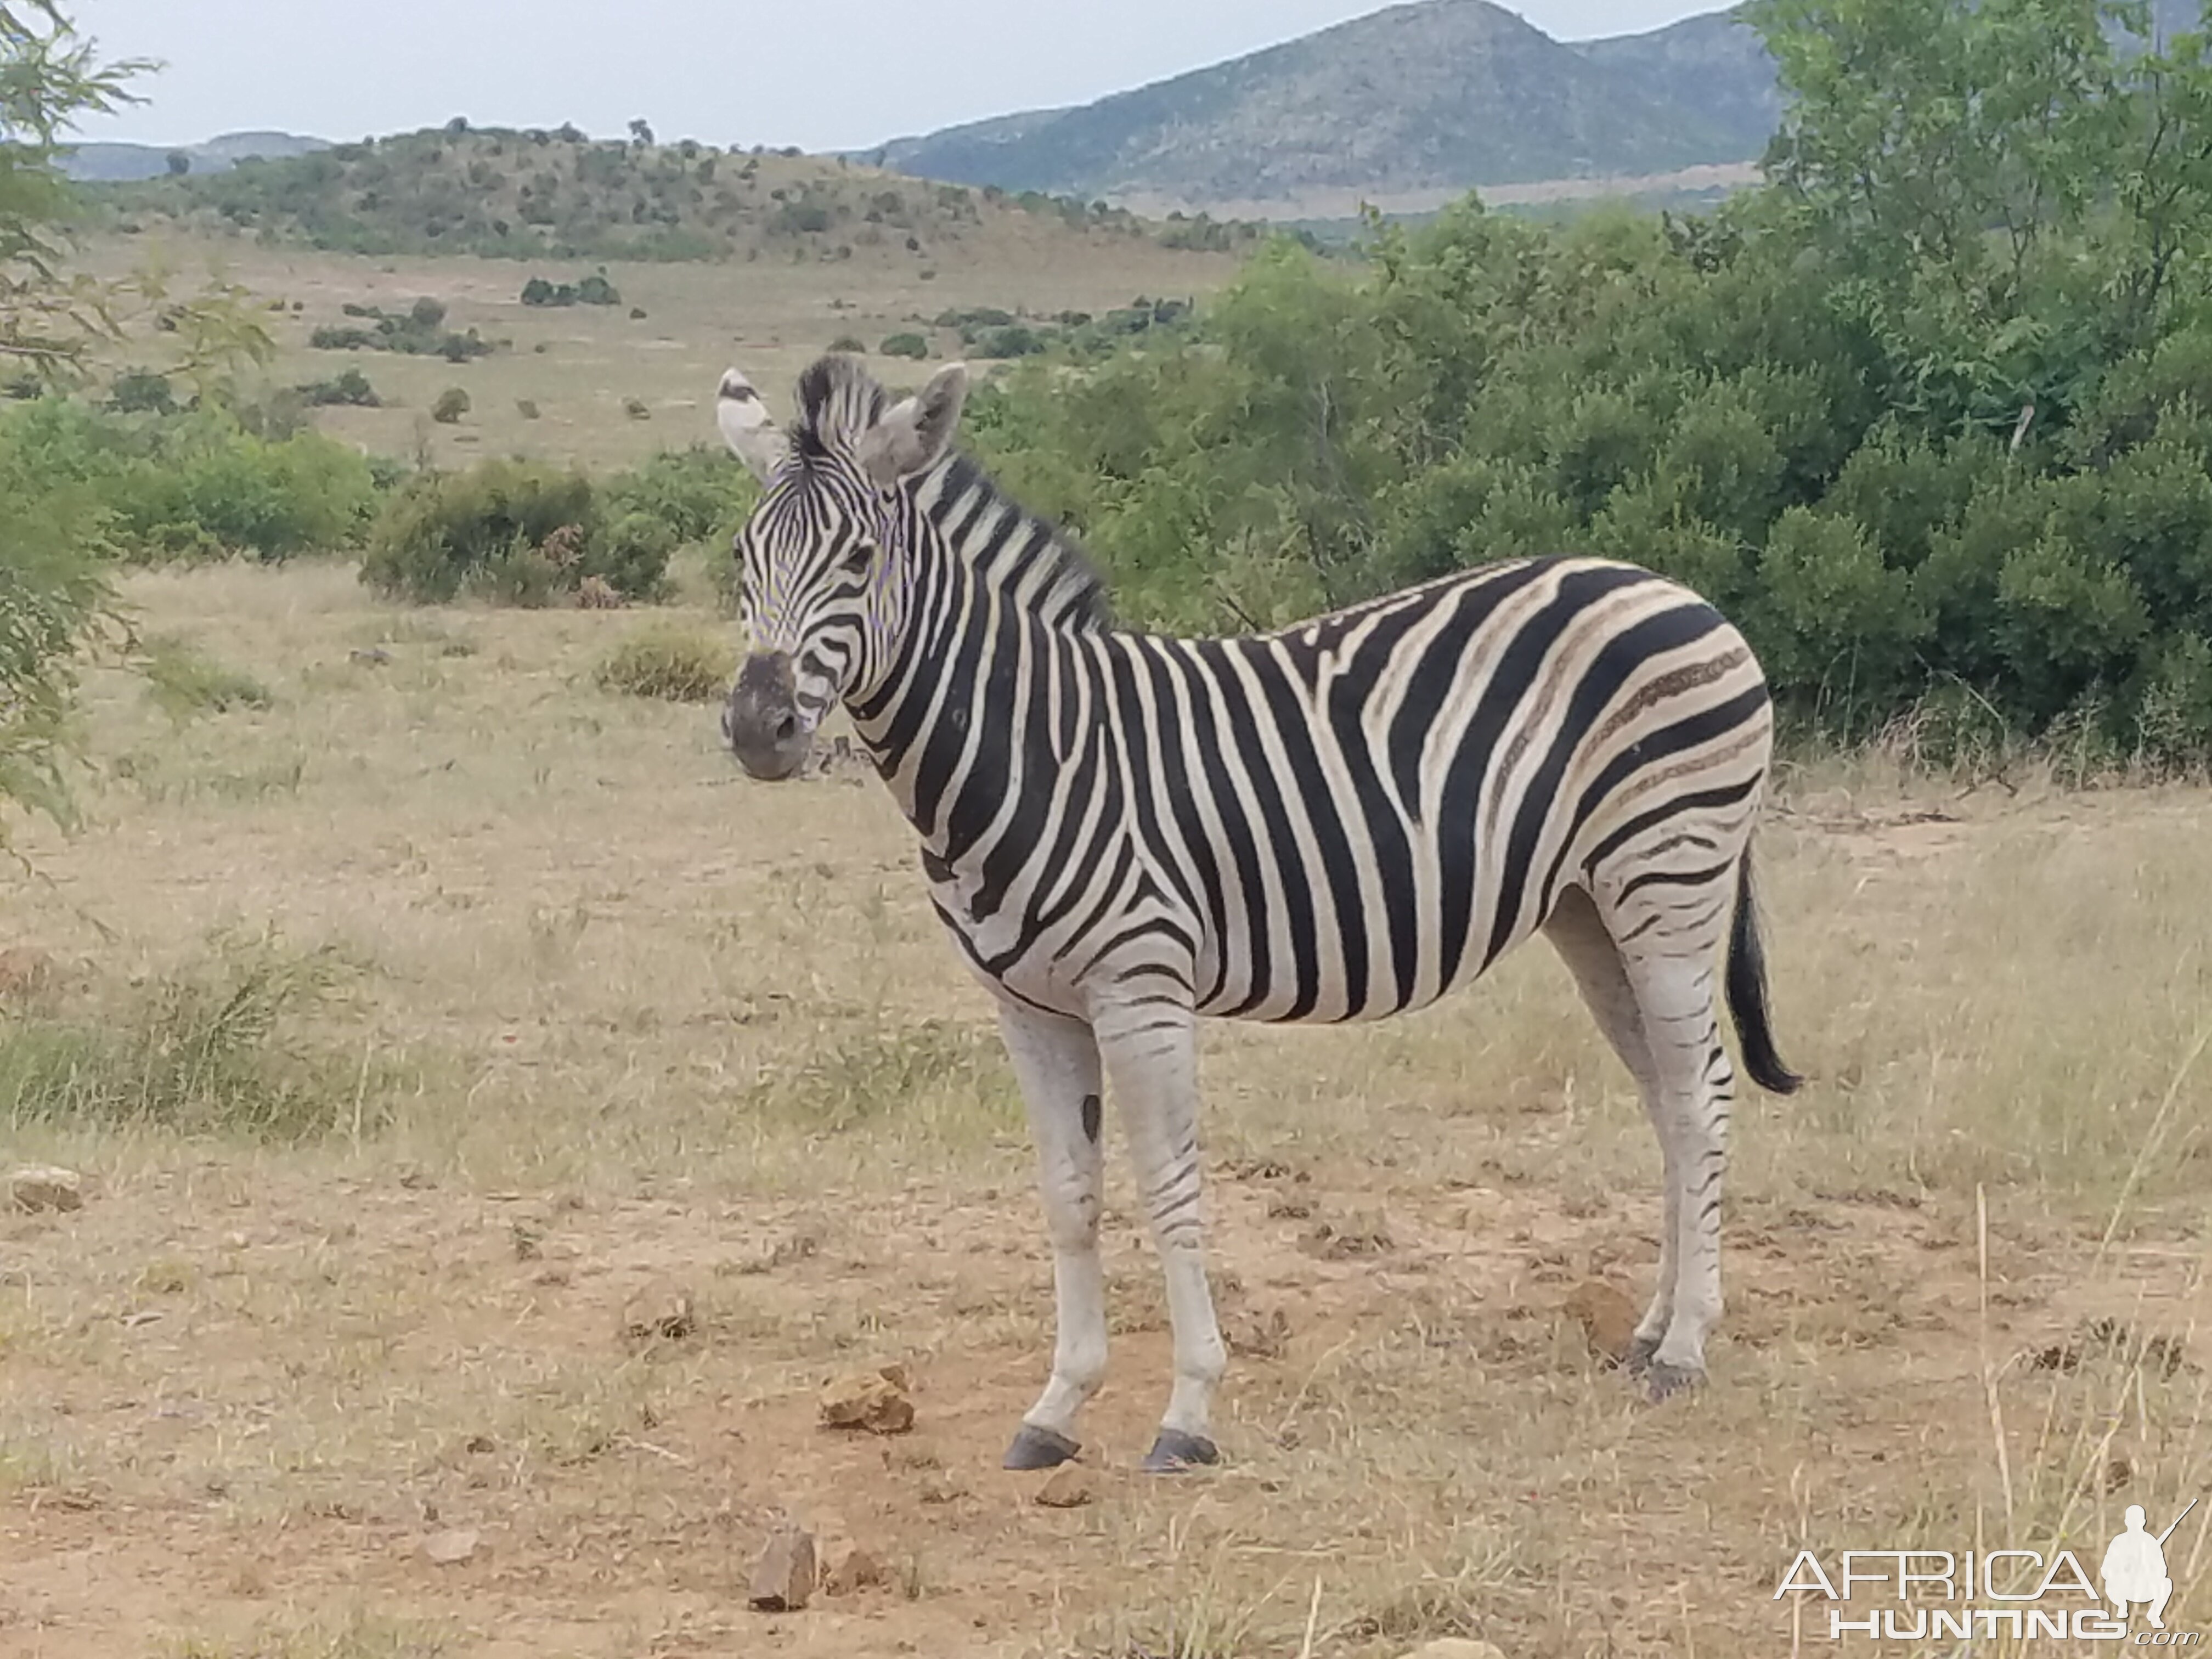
<point x="858" y="555"/>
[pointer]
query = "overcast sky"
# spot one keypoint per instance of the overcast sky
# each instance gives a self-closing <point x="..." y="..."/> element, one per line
<point x="824" y="74"/>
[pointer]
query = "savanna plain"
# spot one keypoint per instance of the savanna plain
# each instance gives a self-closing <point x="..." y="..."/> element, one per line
<point x="499" y="1119"/>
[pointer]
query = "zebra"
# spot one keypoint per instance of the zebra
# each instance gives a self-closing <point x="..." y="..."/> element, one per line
<point x="1123" y="832"/>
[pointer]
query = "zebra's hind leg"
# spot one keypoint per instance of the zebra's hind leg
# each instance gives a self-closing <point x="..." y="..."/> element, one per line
<point x="1670" y="957"/>
<point x="1055" y="1062"/>
<point x="1579" y="935"/>
<point x="1150" y="1051"/>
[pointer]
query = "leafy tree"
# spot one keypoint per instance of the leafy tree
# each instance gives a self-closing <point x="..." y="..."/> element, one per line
<point x="178" y="163"/>
<point x="52" y="591"/>
<point x="641" y="133"/>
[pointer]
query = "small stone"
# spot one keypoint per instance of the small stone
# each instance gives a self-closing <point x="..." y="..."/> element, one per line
<point x="375" y="655"/>
<point x="45" y="1187"/>
<point x="875" y="1400"/>
<point x="448" y="1549"/>
<point x="1456" y="1647"/>
<point x="660" y="1313"/>
<point x="848" y="1567"/>
<point x="1607" y="1319"/>
<point x="783" y="1578"/>
<point x="1069" y="1486"/>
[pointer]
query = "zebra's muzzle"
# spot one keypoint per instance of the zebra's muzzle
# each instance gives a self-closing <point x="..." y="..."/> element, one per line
<point x="762" y="722"/>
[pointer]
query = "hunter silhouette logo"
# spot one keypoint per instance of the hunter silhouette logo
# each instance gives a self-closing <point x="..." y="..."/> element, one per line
<point x="2134" y="1567"/>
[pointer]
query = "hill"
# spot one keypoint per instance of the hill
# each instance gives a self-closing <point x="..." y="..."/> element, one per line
<point x="1437" y="95"/>
<point x="559" y="194"/>
<point x="1406" y="107"/>
<point x="123" y="162"/>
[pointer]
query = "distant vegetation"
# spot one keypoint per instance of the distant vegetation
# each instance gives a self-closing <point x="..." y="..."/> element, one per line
<point x="538" y="193"/>
<point x="1931" y="417"/>
<point x="420" y="332"/>
<point x="593" y="290"/>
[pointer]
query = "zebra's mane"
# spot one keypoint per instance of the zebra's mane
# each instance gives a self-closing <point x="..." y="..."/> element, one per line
<point x="1047" y="574"/>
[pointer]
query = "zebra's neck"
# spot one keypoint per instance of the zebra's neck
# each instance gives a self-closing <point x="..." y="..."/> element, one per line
<point x="992" y="596"/>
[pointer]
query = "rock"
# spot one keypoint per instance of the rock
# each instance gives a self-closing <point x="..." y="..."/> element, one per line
<point x="875" y="1400"/>
<point x="45" y="1187"/>
<point x="1607" y="1319"/>
<point x="660" y="1313"/>
<point x="1069" y="1486"/>
<point x="783" y="1578"/>
<point x="448" y="1549"/>
<point x="846" y="1567"/>
<point x="1455" y="1647"/>
<point x="374" y="656"/>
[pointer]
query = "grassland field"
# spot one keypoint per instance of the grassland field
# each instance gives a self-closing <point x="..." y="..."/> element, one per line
<point x="545" y="1015"/>
<point x="582" y="366"/>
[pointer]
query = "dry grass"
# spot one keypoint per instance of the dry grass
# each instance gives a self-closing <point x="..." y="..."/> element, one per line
<point x="626" y="1017"/>
<point x="579" y="366"/>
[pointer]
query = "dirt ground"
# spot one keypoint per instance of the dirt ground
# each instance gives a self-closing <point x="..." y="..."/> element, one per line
<point x="613" y="1025"/>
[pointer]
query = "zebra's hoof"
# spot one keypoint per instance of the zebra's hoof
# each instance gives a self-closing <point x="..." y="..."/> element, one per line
<point x="1637" y="1360"/>
<point x="1040" y="1448"/>
<point x="1662" y="1381"/>
<point x="1174" y="1451"/>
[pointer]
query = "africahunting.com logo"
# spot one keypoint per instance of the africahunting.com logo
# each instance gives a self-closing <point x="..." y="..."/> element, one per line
<point x="1905" y="1595"/>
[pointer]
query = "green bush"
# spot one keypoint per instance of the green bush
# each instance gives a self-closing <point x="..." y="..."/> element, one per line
<point x="904" y="345"/>
<point x="677" y="664"/>
<point x="851" y="343"/>
<point x="697" y="493"/>
<point x="1687" y="395"/>
<point x="195" y="483"/>
<point x="142" y="392"/>
<point x="349" y="388"/>
<point x="513" y="532"/>
<point x="453" y="404"/>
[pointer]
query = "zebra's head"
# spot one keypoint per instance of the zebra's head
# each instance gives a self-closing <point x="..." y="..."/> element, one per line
<point x="822" y="576"/>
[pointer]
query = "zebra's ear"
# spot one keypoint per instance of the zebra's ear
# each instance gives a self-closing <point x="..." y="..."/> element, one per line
<point x="916" y="432"/>
<point x="747" y="427"/>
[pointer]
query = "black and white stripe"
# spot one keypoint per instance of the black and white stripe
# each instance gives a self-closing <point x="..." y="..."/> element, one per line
<point x="1339" y="821"/>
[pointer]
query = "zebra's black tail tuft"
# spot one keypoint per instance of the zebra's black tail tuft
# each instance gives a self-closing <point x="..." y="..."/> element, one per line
<point x="1746" y="994"/>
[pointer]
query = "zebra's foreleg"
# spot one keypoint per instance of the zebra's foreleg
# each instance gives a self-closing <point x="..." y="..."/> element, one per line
<point x="1150" y="1051"/>
<point x="1055" y="1062"/>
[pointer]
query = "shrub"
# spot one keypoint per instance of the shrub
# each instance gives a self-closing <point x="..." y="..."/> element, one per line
<point x="199" y="482"/>
<point x="904" y="345"/>
<point x="699" y="493"/>
<point x="1016" y="341"/>
<point x="637" y="409"/>
<point x="847" y="343"/>
<point x="140" y="390"/>
<point x="453" y="404"/>
<point x="678" y="665"/>
<point x="515" y="532"/>
<point x="527" y="407"/>
<point x="350" y="387"/>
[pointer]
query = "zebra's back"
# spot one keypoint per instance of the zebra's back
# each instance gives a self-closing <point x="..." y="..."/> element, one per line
<point x="1350" y="817"/>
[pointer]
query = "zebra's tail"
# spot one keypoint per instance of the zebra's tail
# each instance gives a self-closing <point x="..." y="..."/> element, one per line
<point x="1746" y="992"/>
